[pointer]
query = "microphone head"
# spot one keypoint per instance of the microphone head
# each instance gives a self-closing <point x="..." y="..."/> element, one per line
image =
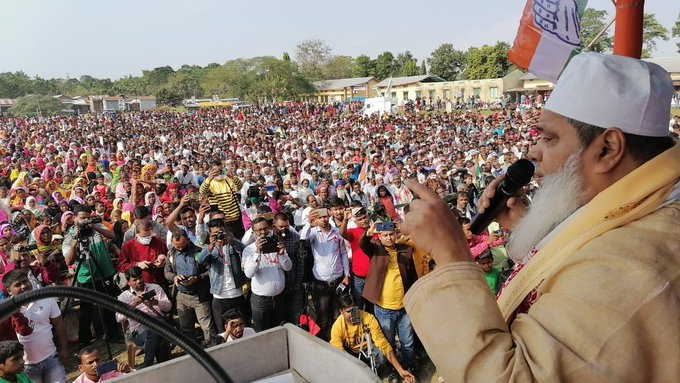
<point x="519" y="174"/>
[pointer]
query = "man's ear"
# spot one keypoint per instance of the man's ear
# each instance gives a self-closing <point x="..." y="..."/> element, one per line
<point x="611" y="148"/>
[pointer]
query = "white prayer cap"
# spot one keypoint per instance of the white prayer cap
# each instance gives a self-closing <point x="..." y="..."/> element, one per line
<point x="614" y="92"/>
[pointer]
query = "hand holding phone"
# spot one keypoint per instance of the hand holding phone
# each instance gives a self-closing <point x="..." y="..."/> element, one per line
<point x="109" y="366"/>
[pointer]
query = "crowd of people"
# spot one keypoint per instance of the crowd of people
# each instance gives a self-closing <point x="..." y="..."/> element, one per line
<point x="232" y="219"/>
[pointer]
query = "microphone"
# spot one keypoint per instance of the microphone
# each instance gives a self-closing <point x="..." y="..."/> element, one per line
<point x="518" y="175"/>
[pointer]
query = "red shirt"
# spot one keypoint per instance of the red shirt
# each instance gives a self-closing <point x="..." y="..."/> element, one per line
<point x="360" y="261"/>
<point x="133" y="252"/>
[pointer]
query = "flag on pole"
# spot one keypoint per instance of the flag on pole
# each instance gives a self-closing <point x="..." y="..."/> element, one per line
<point x="548" y="36"/>
<point x="363" y="174"/>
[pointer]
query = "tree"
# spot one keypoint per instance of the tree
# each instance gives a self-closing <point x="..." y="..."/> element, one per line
<point x="34" y="103"/>
<point x="363" y="67"/>
<point x="446" y="62"/>
<point x="487" y="61"/>
<point x="170" y="97"/>
<point x="385" y="66"/>
<point x="286" y="56"/>
<point x="651" y="32"/>
<point x="338" y="67"/>
<point x="592" y="22"/>
<point x="423" y="68"/>
<point x="157" y="77"/>
<point x="13" y="85"/>
<point x="406" y="64"/>
<point x="184" y="84"/>
<point x="676" y="32"/>
<point x="312" y="55"/>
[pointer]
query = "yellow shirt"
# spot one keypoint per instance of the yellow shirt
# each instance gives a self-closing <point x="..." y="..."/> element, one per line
<point x="346" y="336"/>
<point x="392" y="293"/>
<point x="421" y="261"/>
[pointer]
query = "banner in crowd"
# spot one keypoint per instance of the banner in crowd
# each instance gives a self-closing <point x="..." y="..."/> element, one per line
<point x="548" y="36"/>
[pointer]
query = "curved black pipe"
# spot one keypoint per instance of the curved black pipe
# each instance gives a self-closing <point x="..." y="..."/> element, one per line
<point x="11" y="305"/>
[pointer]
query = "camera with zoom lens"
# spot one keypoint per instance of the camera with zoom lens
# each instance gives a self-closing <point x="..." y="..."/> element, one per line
<point x="220" y="236"/>
<point x="28" y="248"/>
<point x="89" y="222"/>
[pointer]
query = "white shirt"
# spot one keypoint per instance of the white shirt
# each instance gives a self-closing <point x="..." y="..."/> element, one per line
<point x="266" y="271"/>
<point x="328" y="249"/>
<point x="164" y="305"/>
<point x="247" y="331"/>
<point x="39" y="345"/>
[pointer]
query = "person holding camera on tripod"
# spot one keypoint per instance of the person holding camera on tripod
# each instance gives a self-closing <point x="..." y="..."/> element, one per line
<point x="84" y="245"/>
<point x="152" y="300"/>
<point x="354" y="329"/>
<point x="265" y="262"/>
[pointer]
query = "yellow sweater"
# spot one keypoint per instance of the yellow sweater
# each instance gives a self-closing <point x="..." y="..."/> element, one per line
<point x="346" y="336"/>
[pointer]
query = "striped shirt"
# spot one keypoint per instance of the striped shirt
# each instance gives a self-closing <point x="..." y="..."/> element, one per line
<point x="222" y="193"/>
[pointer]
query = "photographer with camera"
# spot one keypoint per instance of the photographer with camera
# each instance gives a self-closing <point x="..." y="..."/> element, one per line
<point x="224" y="253"/>
<point x="350" y="331"/>
<point x="265" y="262"/>
<point x="84" y="245"/>
<point x="190" y="279"/>
<point x="41" y="273"/>
<point x="152" y="300"/>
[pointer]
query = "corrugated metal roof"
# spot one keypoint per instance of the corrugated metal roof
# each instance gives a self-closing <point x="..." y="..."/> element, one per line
<point x="6" y="101"/>
<point x="396" y="81"/>
<point x="341" y="83"/>
<point x="670" y="63"/>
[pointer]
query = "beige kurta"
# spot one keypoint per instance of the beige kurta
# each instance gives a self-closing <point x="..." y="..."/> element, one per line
<point x="610" y="313"/>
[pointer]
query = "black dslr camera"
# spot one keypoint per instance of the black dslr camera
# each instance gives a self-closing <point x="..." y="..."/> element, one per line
<point x="85" y="228"/>
<point x="28" y="248"/>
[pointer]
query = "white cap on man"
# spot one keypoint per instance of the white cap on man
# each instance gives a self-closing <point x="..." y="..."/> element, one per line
<point x="611" y="91"/>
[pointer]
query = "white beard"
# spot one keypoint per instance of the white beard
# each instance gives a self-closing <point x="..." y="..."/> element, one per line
<point x="341" y="194"/>
<point x="559" y="196"/>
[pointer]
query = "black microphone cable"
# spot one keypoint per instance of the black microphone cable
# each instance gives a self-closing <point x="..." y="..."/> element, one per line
<point x="13" y="304"/>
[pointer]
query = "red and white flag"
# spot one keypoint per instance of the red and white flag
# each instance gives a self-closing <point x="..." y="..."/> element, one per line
<point x="548" y="36"/>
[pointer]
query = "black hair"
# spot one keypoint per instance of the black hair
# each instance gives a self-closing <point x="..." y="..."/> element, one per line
<point x="87" y="350"/>
<point x="215" y="223"/>
<point x="346" y="301"/>
<point x="9" y="348"/>
<point x="336" y="202"/>
<point x="179" y="233"/>
<point x="463" y="220"/>
<point x="232" y="314"/>
<point x="81" y="208"/>
<point x="13" y="276"/>
<point x="133" y="272"/>
<point x="141" y="212"/>
<point x="281" y="217"/>
<point x="258" y="220"/>
<point x="186" y="209"/>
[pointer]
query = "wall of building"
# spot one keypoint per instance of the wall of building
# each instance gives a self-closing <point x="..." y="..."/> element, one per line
<point x="487" y="90"/>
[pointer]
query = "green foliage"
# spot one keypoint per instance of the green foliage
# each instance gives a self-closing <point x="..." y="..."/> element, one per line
<point x="406" y="64"/>
<point x="363" y="66"/>
<point x="169" y="97"/>
<point x="651" y="32"/>
<point x="338" y="67"/>
<point x="592" y="22"/>
<point x="385" y="66"/>
<point x="13" y="85"/>
<point x="286" y="56"/>
<point x="423" y="68"/>
<point x="446" y="62"/>
<point x="34" y="103"/>
<point x="676" y="32"/>
<point x="487" y="61"/>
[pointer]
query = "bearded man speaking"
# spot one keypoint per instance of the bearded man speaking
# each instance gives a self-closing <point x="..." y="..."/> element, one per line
<point x="595" y="295"/>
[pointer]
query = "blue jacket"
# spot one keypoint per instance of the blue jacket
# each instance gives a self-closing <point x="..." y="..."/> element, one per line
<point x="217" y="265"/>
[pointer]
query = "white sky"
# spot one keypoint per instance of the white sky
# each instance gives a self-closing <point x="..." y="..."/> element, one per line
<point x="117" y="38"/>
